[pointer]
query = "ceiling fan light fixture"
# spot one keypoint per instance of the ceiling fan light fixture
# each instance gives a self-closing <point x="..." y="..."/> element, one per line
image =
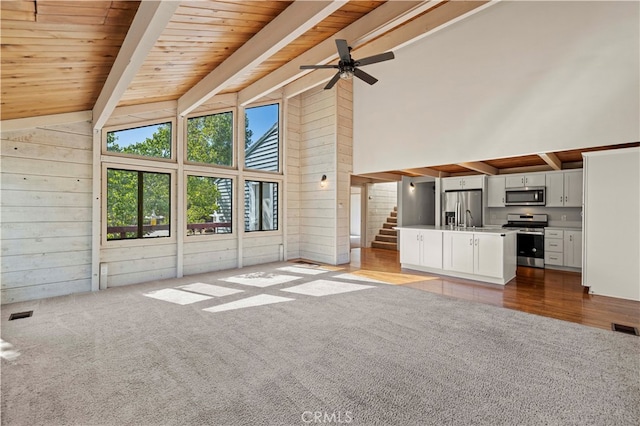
<point x="346" y="74"/>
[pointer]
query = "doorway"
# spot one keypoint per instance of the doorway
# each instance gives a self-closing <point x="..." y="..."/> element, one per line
<point x="356" y="219"/>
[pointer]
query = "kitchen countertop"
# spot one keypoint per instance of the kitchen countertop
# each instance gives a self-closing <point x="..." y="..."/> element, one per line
<point x="469" y="230"/>
<point x="564" y="228"/>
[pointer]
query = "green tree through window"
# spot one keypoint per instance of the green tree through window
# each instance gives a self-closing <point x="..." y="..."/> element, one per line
<point x="138" y="204"/>
<point x="210" y="139"/>
<point x="147" y="141"/>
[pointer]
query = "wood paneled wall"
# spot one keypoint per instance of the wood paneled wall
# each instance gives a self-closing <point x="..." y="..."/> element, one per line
<point x="46" y="204"/>
<point x="344" y="168"/>
<point x="292" y="145"/>
<point x="46" y="211"/>
<point x="325" y="149"/>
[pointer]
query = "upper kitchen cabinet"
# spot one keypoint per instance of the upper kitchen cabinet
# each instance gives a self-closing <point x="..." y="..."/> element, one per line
<point x="467" y="182"/>
<point x="564" y="189"/>
<point x="495" y="191"/>
<point x="519" y="181"/>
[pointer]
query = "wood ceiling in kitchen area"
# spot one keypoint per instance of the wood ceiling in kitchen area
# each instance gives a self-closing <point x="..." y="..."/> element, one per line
<point x="58" y="56"/>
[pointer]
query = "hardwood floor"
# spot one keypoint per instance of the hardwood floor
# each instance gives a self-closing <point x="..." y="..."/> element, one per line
<point x="547" y="292"/>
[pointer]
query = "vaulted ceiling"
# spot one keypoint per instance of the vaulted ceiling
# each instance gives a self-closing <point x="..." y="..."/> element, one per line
<point x="67" y="56"/>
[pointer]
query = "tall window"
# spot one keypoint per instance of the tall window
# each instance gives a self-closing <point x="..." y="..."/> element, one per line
<point x="262" y="138"/>
<point x="260" y="206"/>
<point x="208" y="205"/>
<point x="210" y="139"/>
<point x="146" y="141"/>
<point x="138" y="204"/>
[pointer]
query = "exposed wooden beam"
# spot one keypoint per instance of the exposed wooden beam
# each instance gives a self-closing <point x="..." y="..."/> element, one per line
<point x="294" y="21"/>
<point x="382" y="19"/>
<point x="420" y="27"/>
<point x="44" y="120"/>
<point x="425" y="171"/>
<point x="151" y="19"/>
<point x="383" y="176"/>
<point x="551" y="159"/>
<point x="479" y="166"/>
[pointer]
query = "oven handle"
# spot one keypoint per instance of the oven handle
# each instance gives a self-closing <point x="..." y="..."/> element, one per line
<point x="530" y="233"/>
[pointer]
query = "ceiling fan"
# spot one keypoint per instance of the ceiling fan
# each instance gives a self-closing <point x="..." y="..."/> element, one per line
<point x="348" y="67"/>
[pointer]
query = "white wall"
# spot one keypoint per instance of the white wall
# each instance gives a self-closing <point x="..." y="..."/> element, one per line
<point x="516" y="78"/>
<point x="356" y="211"/>
<point x="611" y="233"/>
<point x="45" y="207"/>
<point x="417" y="206"/>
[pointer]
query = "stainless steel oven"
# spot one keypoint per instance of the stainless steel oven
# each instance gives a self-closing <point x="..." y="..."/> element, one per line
<point x="530" y="238"/>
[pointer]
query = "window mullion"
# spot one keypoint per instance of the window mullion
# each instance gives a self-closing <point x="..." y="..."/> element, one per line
<point x="140" y="204"/>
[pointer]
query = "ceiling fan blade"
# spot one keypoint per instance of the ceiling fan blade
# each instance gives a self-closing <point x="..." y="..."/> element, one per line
<point x="343" y="50"/>
<point x="367" y="78"/>
<point x="333" y="81"/>
<point x="318" y="67"/>
<point x="375" y="59"/>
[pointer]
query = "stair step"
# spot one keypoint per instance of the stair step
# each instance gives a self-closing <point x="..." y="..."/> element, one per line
<point x="394" y="214"/>
<point x="384" y="245"/>
<point x="388" y="225"/>
<point x="387" y="238"/>
<point x="392" y="220"/>
<point x="388" y="232"/>
<point x="395" y="209"/>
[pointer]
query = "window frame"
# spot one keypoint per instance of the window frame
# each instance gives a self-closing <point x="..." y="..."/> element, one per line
<point x="234" y="138"/>
<point x="263" y="179"/>
<point x="241" y="139"/>
<point x="136" y="125"/>
<point x="128" y="242"/>
<point x="234" y="190"/>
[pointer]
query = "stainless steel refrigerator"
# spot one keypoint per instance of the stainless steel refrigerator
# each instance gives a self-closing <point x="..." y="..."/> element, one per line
<point x="462" y="208"/>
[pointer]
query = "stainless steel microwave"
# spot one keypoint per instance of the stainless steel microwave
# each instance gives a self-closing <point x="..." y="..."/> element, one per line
<point x="528" y="196"/>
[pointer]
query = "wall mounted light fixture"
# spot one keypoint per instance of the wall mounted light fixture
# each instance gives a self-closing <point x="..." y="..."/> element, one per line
<point x="323" y="181"/>
<point x="412" y="187"/>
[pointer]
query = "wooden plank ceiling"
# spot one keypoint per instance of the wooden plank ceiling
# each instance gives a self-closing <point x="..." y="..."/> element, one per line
<point x="56" y="55"/>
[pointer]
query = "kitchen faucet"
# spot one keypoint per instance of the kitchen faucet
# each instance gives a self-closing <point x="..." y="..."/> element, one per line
<point x="468" y="212"/>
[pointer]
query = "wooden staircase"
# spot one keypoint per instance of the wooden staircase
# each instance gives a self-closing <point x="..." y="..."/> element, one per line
<point x="387" y="237"/>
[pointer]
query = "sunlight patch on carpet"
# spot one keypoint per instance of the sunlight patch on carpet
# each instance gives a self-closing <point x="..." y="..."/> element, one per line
<point x="303" y="270"/>
<point x="210" y="289"/>
<point x="176" y="296"/>
<point x="259" y="300"/>
<point x="325" y="288"/>
<point x="261" y="279"/>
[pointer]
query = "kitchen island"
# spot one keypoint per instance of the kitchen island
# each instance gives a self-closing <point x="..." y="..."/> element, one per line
<point x="481" y="254"/>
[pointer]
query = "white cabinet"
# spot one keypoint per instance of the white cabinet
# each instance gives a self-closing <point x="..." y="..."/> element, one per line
<point x="495" y="191"/>
<point x="488" y="253"/>
<point x="421" y="247"/>
<point x="488" y="256"/>
<point x="410" y="246"/>
<point x="573" y="249"/>
<point x="554" y="247"/>
<point x="573" y="188"/>
<point x="519" y="181"/>
<point x="555" y="189"/>
<point x="457" y="251"/>
<point x="564" y="189"/>
<point x="563" y="248"/>
<point x="468" y="182"/>
<point x="480" y="254"/>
